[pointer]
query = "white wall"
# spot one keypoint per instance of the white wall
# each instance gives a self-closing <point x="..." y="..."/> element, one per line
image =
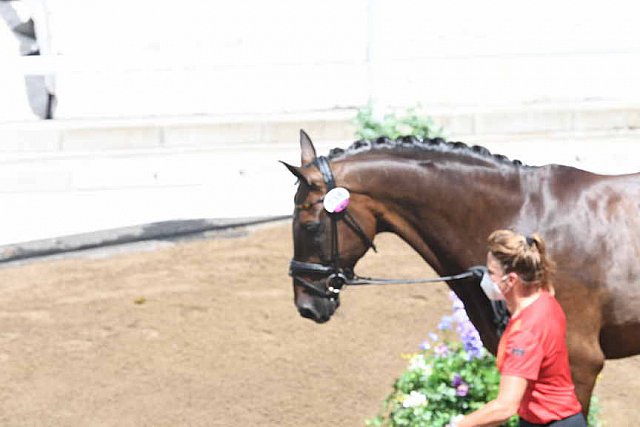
<point x="496" y="52"/>
<point x="249" y="74"/>
<point x="144" y="57"/>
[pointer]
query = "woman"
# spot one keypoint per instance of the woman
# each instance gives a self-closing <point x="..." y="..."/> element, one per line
<point x="532" y="355"/>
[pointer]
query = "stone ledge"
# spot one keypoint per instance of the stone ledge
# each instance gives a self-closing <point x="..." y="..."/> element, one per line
<point x="74" y="136"/>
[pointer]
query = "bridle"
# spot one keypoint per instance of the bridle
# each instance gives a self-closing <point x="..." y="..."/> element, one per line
<point x="336" y="277"/>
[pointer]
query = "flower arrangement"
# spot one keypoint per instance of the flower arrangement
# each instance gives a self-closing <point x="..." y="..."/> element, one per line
<point x="448" y="378"/>
<point x="445" y="379"/>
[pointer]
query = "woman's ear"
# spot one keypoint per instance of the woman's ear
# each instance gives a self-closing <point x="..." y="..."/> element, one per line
<point x="512" y="278"/>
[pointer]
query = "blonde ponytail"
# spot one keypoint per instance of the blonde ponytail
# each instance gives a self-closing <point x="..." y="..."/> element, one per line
<point x="524" y="255"/>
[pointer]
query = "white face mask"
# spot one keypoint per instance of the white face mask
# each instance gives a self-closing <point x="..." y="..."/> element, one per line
<point x="491" y="289"/>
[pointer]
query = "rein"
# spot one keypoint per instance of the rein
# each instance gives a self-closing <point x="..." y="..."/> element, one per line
<point x="335" y="276"/>
<point x="351" y="279"/>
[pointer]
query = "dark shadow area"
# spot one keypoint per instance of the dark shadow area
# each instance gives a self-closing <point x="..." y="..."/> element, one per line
<point x="170" y="231"/>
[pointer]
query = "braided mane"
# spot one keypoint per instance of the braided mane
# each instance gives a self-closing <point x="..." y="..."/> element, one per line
<point x="415" y="143"/>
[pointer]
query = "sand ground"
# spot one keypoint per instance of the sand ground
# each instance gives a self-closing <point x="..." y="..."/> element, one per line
<point x="205" y="333"/>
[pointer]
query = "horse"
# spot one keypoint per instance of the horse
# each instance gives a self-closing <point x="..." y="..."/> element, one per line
<point x="444" y="199"/>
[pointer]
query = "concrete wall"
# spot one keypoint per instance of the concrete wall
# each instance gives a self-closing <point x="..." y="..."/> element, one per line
<point x="66" y="177"/>
<point x="181" y="110"/>
<point x="201" y="57"/>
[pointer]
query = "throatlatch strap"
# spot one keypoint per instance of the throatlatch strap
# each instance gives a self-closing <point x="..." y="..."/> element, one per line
<point x="325" y="170"/>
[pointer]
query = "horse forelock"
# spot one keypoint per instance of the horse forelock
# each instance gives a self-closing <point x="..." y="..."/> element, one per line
<point x="419" y="146"/>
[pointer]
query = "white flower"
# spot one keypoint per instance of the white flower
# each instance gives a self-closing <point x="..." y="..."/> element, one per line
<point x="418" y="362"/>
<point x="415" y="398"/>
<point x="455" y="420"/>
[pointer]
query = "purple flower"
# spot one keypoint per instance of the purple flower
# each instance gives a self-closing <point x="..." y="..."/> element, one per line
<point x="426" y="345"/>
<point x="474" y="351"/>
<point x="445" y="323"/>
<point x="457" y="380"/>
<point x="459" y="314"/>
<point x="466" y="331"/>
<point x="462" y="390"/>
<point x="433" y="336"/>
<point x="457" y="304"/>
<point x="441" y="350"/>
<point x="471" y="341"/>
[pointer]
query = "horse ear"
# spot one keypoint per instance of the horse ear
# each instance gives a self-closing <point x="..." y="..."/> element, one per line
<point x="307" y="148"/>
<point x="296" y="171"/>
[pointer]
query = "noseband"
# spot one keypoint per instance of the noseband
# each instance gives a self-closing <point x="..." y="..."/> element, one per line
<point x="335" y="277"/>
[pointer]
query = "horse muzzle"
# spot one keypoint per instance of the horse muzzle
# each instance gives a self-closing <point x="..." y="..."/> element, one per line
<point x="315" y="308"/>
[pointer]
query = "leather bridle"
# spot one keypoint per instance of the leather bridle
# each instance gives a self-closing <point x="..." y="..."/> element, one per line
<point x="336" y="277"/>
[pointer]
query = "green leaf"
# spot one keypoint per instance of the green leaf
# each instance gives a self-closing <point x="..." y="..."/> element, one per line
<point x="393" y="126"/>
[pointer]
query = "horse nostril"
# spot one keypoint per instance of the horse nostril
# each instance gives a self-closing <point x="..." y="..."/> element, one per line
<point x="307" y="312"/>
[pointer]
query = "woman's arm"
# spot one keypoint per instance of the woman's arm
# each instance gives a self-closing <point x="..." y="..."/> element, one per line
<point x="502" y="408"/>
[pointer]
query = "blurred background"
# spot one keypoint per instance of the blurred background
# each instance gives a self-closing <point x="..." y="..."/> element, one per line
<point x="120" y="113"/>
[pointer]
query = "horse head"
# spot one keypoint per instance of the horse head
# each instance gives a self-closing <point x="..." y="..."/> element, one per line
<point x="328" y="240"/>
<point x="420" y="190"/>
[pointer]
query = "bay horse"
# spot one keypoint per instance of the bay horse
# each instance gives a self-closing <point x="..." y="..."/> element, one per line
<point x="444" y="199"/>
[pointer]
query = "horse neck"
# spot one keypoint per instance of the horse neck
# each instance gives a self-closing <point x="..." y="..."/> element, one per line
<point x="446" y="211"/>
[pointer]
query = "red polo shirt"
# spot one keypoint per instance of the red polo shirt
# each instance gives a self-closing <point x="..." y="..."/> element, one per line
<point x="533" y="347"/>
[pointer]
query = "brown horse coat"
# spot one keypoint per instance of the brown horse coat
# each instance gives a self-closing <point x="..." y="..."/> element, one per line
<point x="444" y="199"/>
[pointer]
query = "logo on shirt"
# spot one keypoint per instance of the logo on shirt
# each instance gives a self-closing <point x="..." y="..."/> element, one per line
<point x="518" y="352"/>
